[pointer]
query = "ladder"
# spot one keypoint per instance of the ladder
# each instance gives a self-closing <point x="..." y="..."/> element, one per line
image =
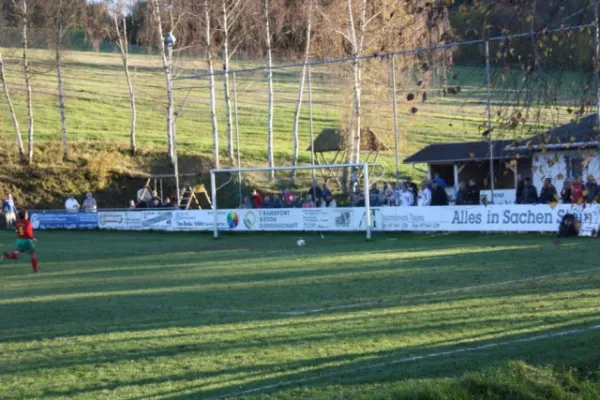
<point x="194" y="198"/>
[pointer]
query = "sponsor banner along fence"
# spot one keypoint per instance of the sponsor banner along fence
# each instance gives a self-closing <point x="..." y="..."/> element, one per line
<point x="493" y="218"/>
<point x="64" y="220"/>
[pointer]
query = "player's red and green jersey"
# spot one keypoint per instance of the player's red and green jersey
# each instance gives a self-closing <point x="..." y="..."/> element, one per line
<point x="25" y="230"/>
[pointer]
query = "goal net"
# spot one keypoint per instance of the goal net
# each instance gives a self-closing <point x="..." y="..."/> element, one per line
<point x="294" y="199"/>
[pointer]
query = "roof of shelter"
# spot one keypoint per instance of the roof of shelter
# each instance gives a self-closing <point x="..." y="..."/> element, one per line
<point x="335" y="140"/>
<point x="582" y="131"/>
<point x="465" y="151"/>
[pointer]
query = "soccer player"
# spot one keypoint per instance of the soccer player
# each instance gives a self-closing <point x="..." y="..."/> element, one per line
<point x="26" y="242"/>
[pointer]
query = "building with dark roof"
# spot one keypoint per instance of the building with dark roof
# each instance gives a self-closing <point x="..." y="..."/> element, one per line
<point x="564" y="152"/>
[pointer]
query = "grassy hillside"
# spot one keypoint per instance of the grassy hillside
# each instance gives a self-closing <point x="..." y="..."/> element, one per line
<point x="98" y="109"/>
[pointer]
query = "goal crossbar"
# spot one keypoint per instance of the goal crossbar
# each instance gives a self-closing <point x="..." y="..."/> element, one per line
<point x="364" y="166"/>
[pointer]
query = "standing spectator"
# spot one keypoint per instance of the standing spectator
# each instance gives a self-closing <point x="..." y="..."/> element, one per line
<point x="155" y="203"/>
<point x="288" y="198"/>
<point x="89" y="204"/>
<point x="329" y="202"/>
<point x="155" y="197"/>
<point x="387" y="194"/>
<point x="412" y="187"/>
<point x="357" y="199"/>
<point x="267" y="203"/>
<point x="592" y="189"/>
<point x="325" y="191"/>
<point x="425" y="196"/>
<point x="473" y="193"/>
<point x="308" y="202"/>
<point x="131" y="204"/>
<point x="440" y="181"/>
<point x="9" y="210"/>
<point x="439" y="197"/>
<point x="316" y="191"/>
<point x="247" y="203"/>
<point x="71" y="204"/>
<point x="168" y="203"/>
<point x="398" y="194"/>
<point x="548" y="194"/>
<point x="530" y="195"/>
<point x="407" y="199"/>
<point x="566" y="194"/>
<point x="277" y="203"/>
<point x="520" y="189"/>
<point x="461" y="195"/>
<point x="577" y="191"/>
<point x="257" y="200"/>
<point x="141" y="204"/>
<point x="374" y="195"/>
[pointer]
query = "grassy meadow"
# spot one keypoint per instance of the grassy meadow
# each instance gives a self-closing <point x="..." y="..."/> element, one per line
<point x="181" y="316"/>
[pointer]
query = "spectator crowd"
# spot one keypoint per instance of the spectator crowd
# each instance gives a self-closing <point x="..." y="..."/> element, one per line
<point x="573" y="191"/>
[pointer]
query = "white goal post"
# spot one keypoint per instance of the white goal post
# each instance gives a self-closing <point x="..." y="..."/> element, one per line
<point x="239" y="171"/>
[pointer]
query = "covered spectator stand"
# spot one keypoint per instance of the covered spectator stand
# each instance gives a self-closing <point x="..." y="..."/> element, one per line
<point x="460" y="162"/>
<point x="330" y="146"/>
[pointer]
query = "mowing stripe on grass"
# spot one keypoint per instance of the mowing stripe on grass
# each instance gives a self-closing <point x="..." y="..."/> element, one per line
<point x="404" y="297"/>
<point x="300" y="381"/>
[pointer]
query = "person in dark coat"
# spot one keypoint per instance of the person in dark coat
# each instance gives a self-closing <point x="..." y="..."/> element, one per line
<point x="412" y="187"/>
<point x="439" y="197"/>
<point x="461" y="195"/>
<point x="530" y="195"/>
<point x="548" y="194"/>
<point x="566" y="194"/>
<point x="473" y="193"/>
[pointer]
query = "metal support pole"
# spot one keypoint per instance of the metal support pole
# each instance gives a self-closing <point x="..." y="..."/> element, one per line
<point x="367" y="200"/>
<point x="311" y="126"/>
<point x="394" y="104"/>
<point x="162" y="196"/>
<point x="237" y="138"/>
<point x="597" y="57"/>
<point x="489" y="114"/>
<point x="213" y="189"/>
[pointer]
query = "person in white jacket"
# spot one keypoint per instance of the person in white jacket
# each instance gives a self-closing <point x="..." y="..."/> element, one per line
<point x="71" y="204"/>
<point x="329" y="202"/>
<point x="425" y="195"/>
<point x="407" y="199"/>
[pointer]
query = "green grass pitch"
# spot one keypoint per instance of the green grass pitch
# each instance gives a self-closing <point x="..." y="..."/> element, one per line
<point x="179" y="316"/>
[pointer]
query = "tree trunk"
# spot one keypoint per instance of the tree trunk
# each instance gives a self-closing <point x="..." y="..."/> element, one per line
<point x="357" y="42"/>
<point x="270" y="82"/>
<point x="211" y="86"/>
<point x="27" y="83"/>
<point x="124" y="49"/>
<point x="11" y="109"/>
<point x="61" y="97"/>
<point x="226" y="81"/>
<point x="169" y="81"/>
<point x="301" y="91"/>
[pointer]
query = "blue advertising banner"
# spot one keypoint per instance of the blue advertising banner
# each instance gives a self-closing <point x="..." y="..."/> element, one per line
<point x="64" y="220"/>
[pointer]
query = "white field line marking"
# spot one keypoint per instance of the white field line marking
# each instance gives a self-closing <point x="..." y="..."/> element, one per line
<point x="404" y="297"/>
<point x="409" y="359"/>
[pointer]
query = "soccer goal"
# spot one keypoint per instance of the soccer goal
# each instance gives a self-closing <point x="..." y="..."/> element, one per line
<point x="308" y="198"/>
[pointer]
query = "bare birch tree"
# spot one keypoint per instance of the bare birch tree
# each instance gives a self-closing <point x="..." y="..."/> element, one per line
<point x="211" y="82"/>
<point x="156" y="13"/>
<point x="269" y="55"/>
<point x="122" y="42"/>
<point x="24" y="15"/>
<point x="62" y="15"/>
<point x="11" y="109"/>
<point x="231" y="11"/>
<point x="301" y="88"/>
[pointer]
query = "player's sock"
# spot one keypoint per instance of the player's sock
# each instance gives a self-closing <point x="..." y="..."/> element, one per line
<point x="35" y="264"/>
<point x="11" y="256"/>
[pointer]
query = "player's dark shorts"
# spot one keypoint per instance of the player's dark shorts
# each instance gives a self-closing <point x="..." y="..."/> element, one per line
<point x="25" y="245"/>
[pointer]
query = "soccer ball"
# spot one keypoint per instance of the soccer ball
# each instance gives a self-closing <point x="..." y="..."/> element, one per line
<point x="300" y="243"/>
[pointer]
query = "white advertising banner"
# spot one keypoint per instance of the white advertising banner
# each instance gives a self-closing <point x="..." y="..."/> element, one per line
<point x="492" y="218"/>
